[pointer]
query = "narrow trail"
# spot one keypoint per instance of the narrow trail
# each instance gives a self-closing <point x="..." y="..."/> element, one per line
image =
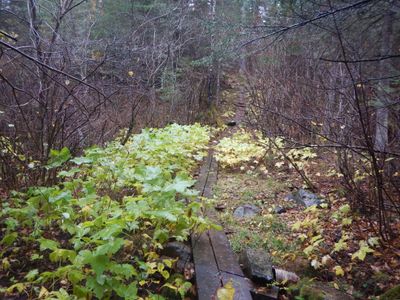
<point x="215" y="262"/>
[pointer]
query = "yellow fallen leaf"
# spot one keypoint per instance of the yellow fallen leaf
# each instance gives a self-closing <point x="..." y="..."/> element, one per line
<point x="338" y="271"/>
<point x="226" y="292"/>
<point x="43" y="292"/>
<point x="336" y="285"/>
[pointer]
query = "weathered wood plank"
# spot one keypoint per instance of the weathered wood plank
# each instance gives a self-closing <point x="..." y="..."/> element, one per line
<point x="226" y="259"/>
<point x="240" y="284"/>
<point x="207" y="274"/>
<point x="203" y="175"/>
<point x="214" y="260"/>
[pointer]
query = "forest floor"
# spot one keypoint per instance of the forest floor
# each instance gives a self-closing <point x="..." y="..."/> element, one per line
<point x="328" y="245"/>
<point x="274" y="232"/>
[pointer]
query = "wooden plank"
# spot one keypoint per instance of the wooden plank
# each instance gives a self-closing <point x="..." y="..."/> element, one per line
<point x="207" y="274"/>
<point x="241" y="285"/>
<point x="203" y="175"/>
<point x="226" y="259"/>
<point x="214" y="260"/>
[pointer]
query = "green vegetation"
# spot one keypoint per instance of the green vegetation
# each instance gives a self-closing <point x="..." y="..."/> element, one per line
<point x="238" y="149"/>
<point x="393" y="293"/>
<point x="98" y="232"/>
<point x="266" y="231"/>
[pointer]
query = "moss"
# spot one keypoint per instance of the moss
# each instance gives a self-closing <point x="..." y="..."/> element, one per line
<point x="305" y="290"/>
<point x="310" y="293"/>
<point x="392" y="294"/>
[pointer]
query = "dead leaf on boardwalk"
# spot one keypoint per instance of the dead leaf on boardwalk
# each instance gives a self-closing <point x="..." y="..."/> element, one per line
<point x="226" y="292"/>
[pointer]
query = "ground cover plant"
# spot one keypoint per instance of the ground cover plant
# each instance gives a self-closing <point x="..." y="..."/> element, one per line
<point x="329" y="243"/>
<point x="97" y="234"/>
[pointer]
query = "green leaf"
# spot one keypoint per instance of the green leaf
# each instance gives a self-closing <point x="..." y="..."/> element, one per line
<point x="125" y="270"/>
<point x="75" y="276"/>
<point x="180" y="184"/>
<point x="184" y="288"/>
<point x="61" y="255"/>
<point x="64" y="195"/>
<point x="82" y="160"/>
<point x="94" y="286"/>
<point x="68" y="173"/>
<point x="31" y="274"/>
<point x="308" y="250"/>
<point x="61" y="294"/>
<point x="347" y="221"/>
<point x="20" y="287"/>
<point x="110" y="248"/>
<point x="345" y="209"/>
<point x="363" y="251"/>
<point x="58" y="157"/>
<point x="48" y="244"/>
<point x="8" y="239"/>
<point x="341" y="244"/>
<point x="98" y="262"/>
<point x="164" y="214"/>
<point x="108" y="232"/>
<point x="296" y="226"/>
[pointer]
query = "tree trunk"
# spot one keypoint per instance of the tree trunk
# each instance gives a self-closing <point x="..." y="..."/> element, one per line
<point x="382" y="112"/>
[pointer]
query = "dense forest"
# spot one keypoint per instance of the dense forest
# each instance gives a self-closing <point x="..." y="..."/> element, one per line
<point x="108" y="107"/>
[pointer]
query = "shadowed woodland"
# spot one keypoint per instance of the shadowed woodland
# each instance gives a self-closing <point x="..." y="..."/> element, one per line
<point x="81" y="79"/>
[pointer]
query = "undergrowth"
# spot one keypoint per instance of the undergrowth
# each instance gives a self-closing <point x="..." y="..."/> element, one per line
<point x="98" y="233"/>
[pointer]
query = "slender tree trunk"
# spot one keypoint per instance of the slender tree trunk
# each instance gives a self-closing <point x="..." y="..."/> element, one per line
<point x="241" y="101"/>
<point x="382" y="113"/>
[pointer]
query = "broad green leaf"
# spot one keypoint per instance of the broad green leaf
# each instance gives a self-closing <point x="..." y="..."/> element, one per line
<point x="82" y="160"/>
<point x="9" y="238"/>
<point x="345" y="209"/>
<point x="62" y="255"/>
<point x="111" y="247"/>
<point x="180" y="184"/>
<point x="164" y="214"/>
<point x="31" y="274"/>
<point x="48" y="244"/>
<point x="125" y="270"/>
<point x="64" y="195"/>
<point x="69" y="173"/>
<point x="58" y="157"/>
<point x="362" y="251"/>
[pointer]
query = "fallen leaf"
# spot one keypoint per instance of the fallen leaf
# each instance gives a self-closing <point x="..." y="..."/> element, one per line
<point x="338" y="271"/>
<point x="226" y="292"/>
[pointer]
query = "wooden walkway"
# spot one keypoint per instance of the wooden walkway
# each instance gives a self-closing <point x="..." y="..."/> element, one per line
<point x="215" y="263"/>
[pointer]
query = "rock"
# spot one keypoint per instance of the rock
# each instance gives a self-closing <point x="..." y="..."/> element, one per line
<point x="177" y="250"/>
<point x="187" y="268"/>
<point x="183" y="253"/>
<point x="220" y="207"/>
<point x="257" y="266"/>
<point x="279" y="210"/>
<point x="304" y="198"/>
<point x="289" y="197"/>
<point x="322" y="291"/>
<point x="265" y="293"/>
<point x="246" y="211"/>
<point x="231" y="123"/>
